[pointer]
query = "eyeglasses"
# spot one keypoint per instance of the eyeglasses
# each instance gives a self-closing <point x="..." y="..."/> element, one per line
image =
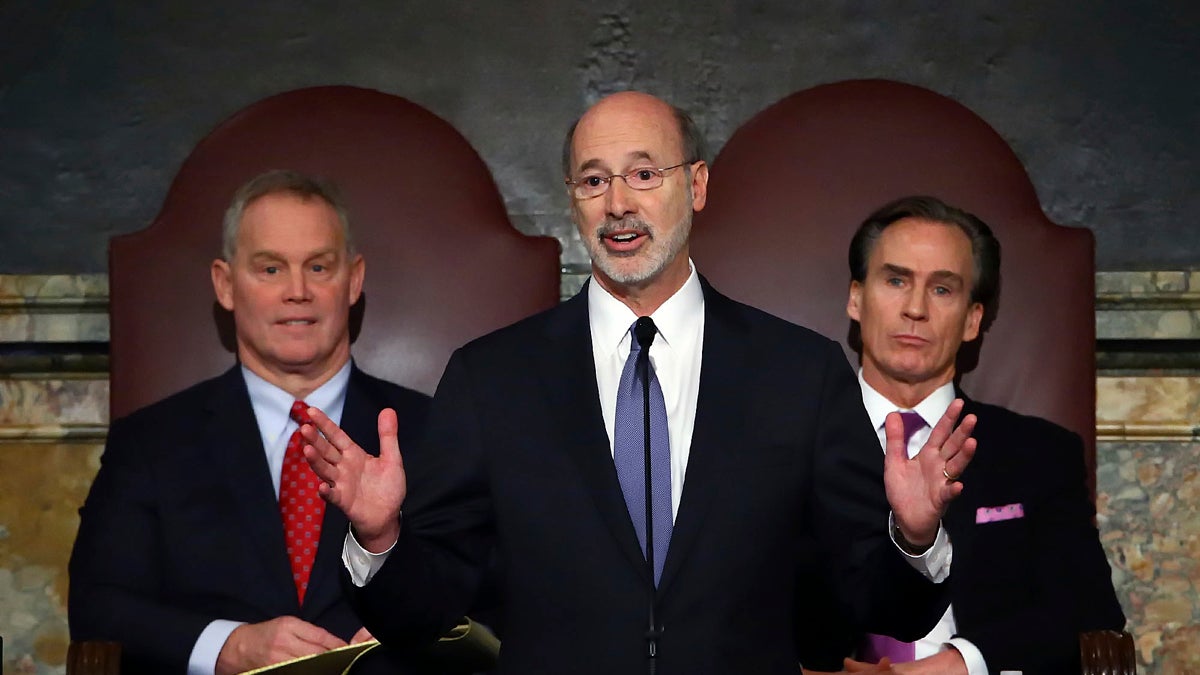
<point x="645" y="178"/>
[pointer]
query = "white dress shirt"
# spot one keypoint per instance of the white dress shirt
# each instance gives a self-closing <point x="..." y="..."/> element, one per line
<point x="931" y="410"/>
<point x="273" y="413"/>
<point x="676" y="355"/>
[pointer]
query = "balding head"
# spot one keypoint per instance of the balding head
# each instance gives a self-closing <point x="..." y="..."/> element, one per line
<point x="691" y="145"/>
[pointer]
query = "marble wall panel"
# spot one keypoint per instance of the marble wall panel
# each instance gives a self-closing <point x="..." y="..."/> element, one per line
<point x="53" y="308"/>
<point x="42" y="486"/>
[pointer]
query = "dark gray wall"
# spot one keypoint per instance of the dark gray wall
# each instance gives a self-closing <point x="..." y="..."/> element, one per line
<point x="100" y="102"/>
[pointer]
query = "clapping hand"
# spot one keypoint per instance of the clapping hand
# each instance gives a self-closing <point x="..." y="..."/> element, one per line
<point x="920" y="489"/>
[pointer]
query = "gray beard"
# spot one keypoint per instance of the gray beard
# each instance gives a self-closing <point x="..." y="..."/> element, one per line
<point x="655" y="256"/>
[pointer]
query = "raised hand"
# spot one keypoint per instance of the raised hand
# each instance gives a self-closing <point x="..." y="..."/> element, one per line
<point x="920" y="489"/>
<point x="369" y="490"/>
<point x="254" y="645"/>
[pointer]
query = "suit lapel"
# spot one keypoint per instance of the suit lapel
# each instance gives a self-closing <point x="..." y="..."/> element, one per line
<point x="359" y="421"/>
<point x="569" y="375"/>
<point x="717" y="429"/>
<point x="234" y="440"/>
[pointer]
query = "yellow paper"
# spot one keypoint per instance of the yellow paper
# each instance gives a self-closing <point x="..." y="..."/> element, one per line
<point x="333" y="662"/>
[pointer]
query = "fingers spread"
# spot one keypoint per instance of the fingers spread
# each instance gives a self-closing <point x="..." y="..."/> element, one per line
<point x="957" y="463"/>
<point x="332" y="432"/>
<point x="941" y="431"/>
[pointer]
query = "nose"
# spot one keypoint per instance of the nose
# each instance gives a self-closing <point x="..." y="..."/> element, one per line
<point x="619" y="201"/>
<point x="297" y="288"/>
<point x="915" y="305"/>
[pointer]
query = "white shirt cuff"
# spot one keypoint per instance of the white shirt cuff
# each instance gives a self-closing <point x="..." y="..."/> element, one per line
<point x="361" y="563"/>
<point x="971" y="656"/>
<point x="203" y="659"/>
<point x="934" y="563"/>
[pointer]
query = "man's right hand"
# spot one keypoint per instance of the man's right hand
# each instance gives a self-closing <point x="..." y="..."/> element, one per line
<point x="254" y="645"/>
<point x="369" y="490"/>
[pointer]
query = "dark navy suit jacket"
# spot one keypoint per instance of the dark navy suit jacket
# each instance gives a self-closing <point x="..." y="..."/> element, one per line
<point x="518" y="465"/>
<point x="1022" y="588"/>
<point x="182" y="525"/>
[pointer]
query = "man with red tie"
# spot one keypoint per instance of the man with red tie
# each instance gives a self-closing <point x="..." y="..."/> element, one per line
<point x="1029" y="571"/>
<point x="203" y="546"/>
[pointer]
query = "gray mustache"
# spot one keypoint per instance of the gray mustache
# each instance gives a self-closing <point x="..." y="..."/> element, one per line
<point x="608" y="227"/>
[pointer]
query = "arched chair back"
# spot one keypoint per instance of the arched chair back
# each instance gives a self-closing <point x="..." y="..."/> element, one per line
<point x="444" y="264"/>
<point x="791" y="186"/>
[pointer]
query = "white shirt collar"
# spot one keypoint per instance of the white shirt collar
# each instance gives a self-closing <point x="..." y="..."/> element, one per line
<point x="273" y="406"/>
<point x="931" y="409"/>
<point x="610" y="318"/>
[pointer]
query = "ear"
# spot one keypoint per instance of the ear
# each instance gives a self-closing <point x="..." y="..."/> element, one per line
<point x="222" y="281"/>
<point x="974" y="320"/>
<point x="854" y="302"/>
<point x="699" y="185"/>
<point x="358" y="271"/>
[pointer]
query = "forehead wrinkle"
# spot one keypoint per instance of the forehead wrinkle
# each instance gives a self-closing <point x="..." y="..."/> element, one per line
<point x="276" y="255"/>
<point x="631" y="159"/>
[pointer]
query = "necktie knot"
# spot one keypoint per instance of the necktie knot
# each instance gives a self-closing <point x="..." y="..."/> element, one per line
<point x="643" y="331"/>
<point x="299" y="413"/>
<point x="912" y="423"/>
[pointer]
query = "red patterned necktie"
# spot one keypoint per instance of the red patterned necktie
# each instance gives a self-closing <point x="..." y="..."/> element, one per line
<point x="300" y="505"/>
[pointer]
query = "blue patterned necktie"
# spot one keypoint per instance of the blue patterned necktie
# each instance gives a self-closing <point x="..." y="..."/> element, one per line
<point x="629" y="448"/>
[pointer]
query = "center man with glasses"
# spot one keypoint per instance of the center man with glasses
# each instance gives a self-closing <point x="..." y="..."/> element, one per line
<point x="645" y="514"/>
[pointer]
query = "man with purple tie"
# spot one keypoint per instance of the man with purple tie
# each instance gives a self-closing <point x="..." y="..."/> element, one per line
<point x="646" y="461"/>
<point x="1029" y="572"/>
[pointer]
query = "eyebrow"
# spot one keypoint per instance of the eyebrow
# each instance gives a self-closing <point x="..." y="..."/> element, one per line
<point x="938" y="275"/>
<point x="596" y="163"/>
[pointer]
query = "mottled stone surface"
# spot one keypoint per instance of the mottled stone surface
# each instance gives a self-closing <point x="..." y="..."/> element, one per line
<point x="1159" y="324"/>
<point x="53" y="402"/>
<point x="41" y="488"/>
<point x="1146" y="283"/>
<point x="53" y="308"/>
<point x="1148" y="400"/>
<point x="1149" y="514"/>
<point x="1151" y="305"/>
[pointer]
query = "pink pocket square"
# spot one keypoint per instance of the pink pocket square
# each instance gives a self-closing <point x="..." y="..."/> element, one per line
<point x="995" y="514"/>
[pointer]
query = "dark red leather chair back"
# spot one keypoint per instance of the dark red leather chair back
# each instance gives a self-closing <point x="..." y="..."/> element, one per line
<point x="444" y="264"/>
<point x="790" y="187"/>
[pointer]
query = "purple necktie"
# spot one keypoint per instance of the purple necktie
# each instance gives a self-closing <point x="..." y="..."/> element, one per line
<point x="875" y="647"/>
<point x="629" y="451"/>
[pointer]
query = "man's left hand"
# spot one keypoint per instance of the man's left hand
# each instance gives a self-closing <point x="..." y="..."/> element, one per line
<point x="920" y="489"/>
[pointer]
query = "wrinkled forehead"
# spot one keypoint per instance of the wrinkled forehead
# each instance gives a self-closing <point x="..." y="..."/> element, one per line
<point x="285" y="221"/>
<point x="924" y="245"/>
<point x="616" y="133"/>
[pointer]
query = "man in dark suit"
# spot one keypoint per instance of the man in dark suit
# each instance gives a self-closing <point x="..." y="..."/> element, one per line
<point x="1029" y="571"/>
<point x="754" y="440"/>
<point x="182" y="554"/>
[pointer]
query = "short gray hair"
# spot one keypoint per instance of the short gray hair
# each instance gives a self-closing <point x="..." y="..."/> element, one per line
<point x="284" y="181"/>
